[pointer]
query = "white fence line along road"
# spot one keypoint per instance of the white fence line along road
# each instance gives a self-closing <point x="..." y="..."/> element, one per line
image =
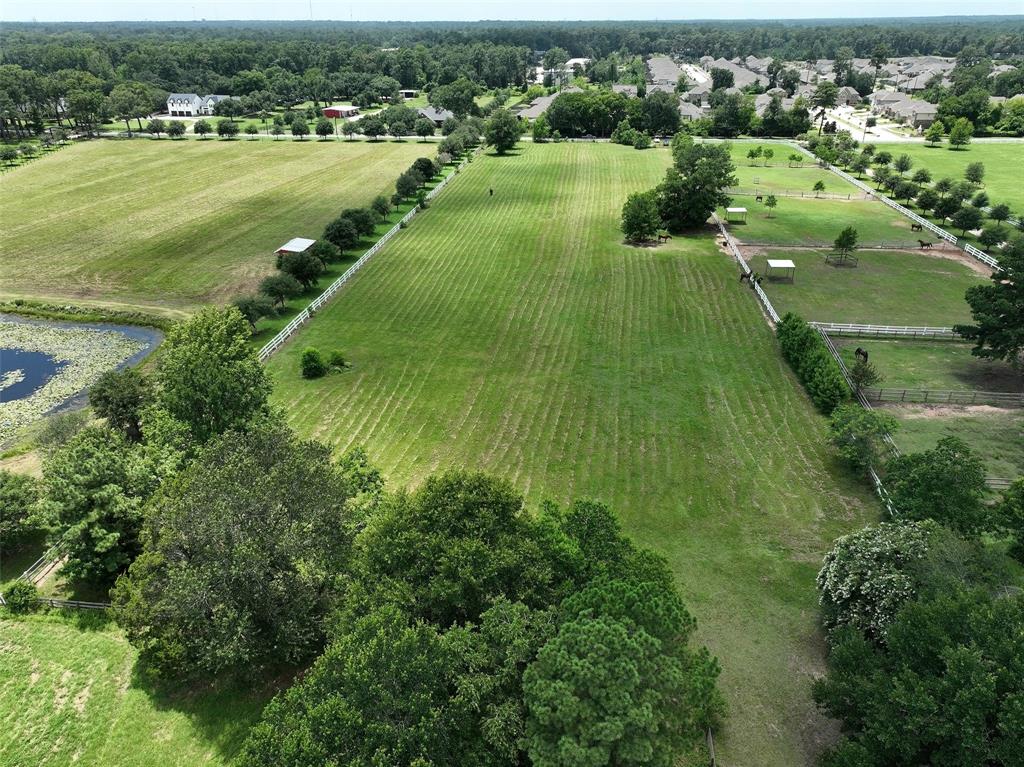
<point x="873" y="331"/>
<point x="937" y="230"/>
<point x="302" y="317"/>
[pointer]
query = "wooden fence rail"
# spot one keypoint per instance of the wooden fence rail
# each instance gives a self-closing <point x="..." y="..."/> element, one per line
<point x="756" y="191"/>
<point x="945" y="397"/>
<point x="896" y="331"/>
<point x="75" y="604"/>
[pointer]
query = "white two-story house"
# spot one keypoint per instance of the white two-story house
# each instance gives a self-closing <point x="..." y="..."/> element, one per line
<point x="191" y="104"/>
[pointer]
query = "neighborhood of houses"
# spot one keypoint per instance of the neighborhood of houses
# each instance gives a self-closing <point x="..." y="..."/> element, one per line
<point x="898" y="82"/>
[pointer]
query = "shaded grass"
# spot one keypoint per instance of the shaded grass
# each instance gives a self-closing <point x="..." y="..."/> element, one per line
<point x="518" y="334"/>
<point x="69" y="694"/>
<point x="176" y="224"/>
<point x="885" y="288"/>
<point x="996" y="434"/>
<point x="933" y="365"/>
<point x="1003" y="162"/>
<point x="817" y="222"/>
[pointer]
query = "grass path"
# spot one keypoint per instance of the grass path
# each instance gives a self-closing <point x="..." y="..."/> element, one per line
<point x="173" y="225"/>
<point x="516" y="333"/>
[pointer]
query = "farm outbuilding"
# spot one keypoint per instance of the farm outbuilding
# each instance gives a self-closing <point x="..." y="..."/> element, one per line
<point x="735" y="214"/>
<point x="340" y="110"/>
<point x="296" y="245"/>
<point x="781" y="268"/>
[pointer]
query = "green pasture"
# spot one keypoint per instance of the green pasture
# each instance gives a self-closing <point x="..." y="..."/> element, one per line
<point x="517" y="333"/>
<point x="887" y="287"/>
<point x="940" y="365"/>
<point x="996" y="434"/>
<point x="1003" y="162"/>
<point x="69" y="694"/>
<point x="169" y="226"/>
<point x="808" y="221"/>
<point x="776" y="176"/>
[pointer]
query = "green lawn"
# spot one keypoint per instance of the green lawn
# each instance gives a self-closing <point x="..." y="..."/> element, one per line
<point x="996" y="434"/>
<point x="170" y="226"/>
<point x="69" y="694"/>
<point x="933" y="365"/>
<point x="777" y="176"/>
<point x="516" y="333"/>
<point x="817" y="222"/>
<point x="887" y="287"/>
<point x="1003" y="164"/>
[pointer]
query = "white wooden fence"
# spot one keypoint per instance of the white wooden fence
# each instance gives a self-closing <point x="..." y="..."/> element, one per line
<point x="944" y="396"/>
<point x="896" y="331"/>
<point x="302" y="317"/>
<point x="734" y="249"/>
<point x="925" y="223"/>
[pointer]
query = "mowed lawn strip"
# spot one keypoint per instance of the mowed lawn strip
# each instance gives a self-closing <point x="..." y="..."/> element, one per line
<point x="517" y="334"/>
<point x="1003" y="163"/>
<point x="940" y="365"/>
<point x="887" y="287"/>
<point x="175" y="225"/>
<point x="68" y="694"/>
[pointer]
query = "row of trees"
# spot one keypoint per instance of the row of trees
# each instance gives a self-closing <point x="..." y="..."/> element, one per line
<point x="805" y="351"/>
<point x="450" y="625"/>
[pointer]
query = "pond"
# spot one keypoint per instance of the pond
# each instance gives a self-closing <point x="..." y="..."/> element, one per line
<point x="48" y="366"/>
<point x="23" y="372"/>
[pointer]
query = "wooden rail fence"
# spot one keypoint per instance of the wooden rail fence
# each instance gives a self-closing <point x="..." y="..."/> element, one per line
<point x="947" y="397"/>
<point x="895" y="331"/>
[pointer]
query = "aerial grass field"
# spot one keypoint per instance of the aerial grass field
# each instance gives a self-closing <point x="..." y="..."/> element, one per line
<point x="518" y="334"/>
<point x="163" y="225"/>
<point x="995" y="434"/>
<point x="1003" y="162"/>
<point x="776" y="175"/>
<point x="887" y="287"/>
<point x="942" y="365"/>
<point x="817" y="222"/>
<point x="69" y="694"/>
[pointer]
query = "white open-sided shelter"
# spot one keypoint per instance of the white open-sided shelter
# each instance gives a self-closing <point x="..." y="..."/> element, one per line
<point x="781" y="269"/>
<point x="735" y="214"/>
<point x="296" y="245"/>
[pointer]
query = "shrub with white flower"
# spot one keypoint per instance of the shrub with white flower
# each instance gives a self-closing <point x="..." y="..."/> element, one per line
<point x="866" y="577"/>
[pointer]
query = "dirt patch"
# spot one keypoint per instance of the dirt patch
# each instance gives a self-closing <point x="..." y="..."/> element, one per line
<point x="945" y="411"/>
<point x="61" y="694"/>
<point x="82" y="698"/>
<point x="938" y="250"/>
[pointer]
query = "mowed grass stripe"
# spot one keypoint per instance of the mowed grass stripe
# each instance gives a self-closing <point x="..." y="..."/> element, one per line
<point x="516" y="333"/>
<point x="177" y="224"/>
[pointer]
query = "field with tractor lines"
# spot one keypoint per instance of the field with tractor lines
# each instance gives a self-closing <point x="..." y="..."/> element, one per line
<point x="516" y="333"/>
<point x="171" y="225"/>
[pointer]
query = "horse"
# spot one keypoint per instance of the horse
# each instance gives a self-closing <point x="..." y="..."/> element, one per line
<point x="759" y="198"/>
<point x="744" y="277"/>
<point x="916" y="228"/>
<point x="664" y="237"/>
<point x="924" y="245"/>
<point x="861" y="354"/>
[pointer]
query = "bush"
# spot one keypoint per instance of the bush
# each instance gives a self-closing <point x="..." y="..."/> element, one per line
<point x="18" y="494"/>
<point x="858" y="434"/>
<point x="22" y="597"/>
<point x="865" y="580"/>
<point x="336" y="361"/>
<point x="810" y="359"/>
<point x="312" y="363"/>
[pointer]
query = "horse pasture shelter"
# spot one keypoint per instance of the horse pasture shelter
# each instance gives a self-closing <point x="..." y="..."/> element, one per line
<point x="296" y="245"/>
